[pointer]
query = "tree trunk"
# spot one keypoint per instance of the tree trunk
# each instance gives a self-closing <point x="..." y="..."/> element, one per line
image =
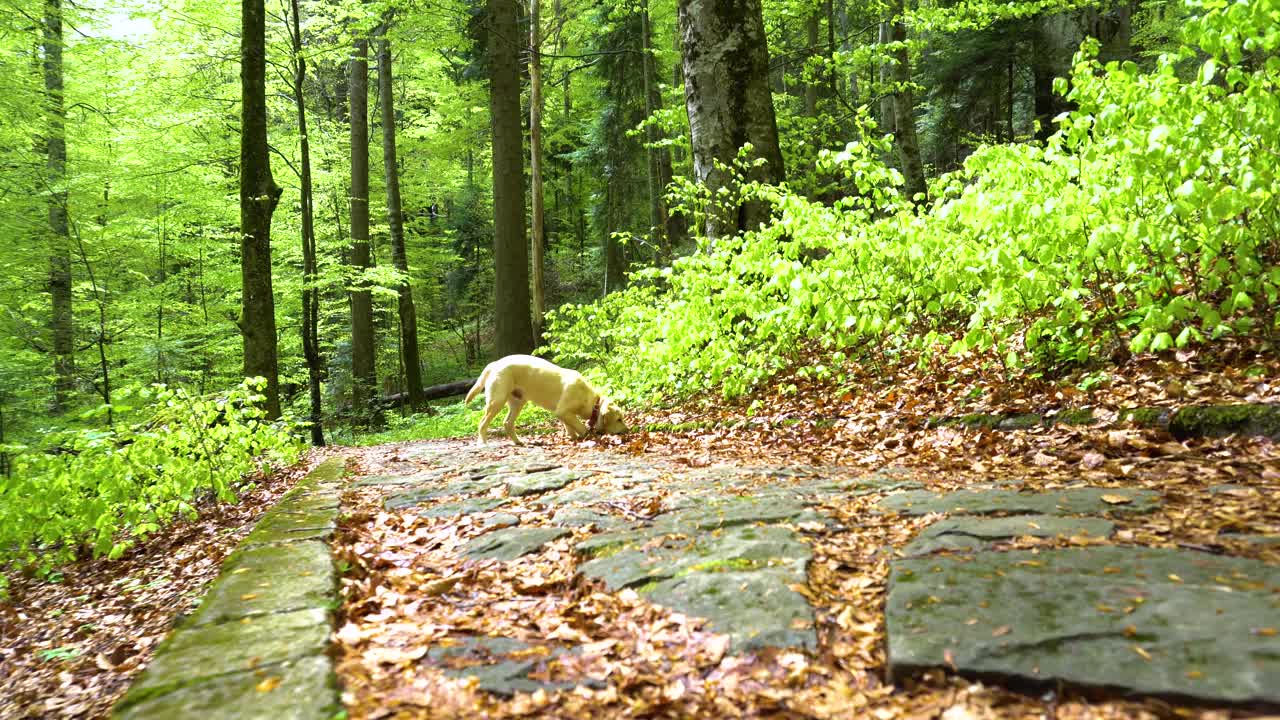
<point x="364" y="372"/>
<point x="258" y="197"/>
<point x="395" y="219"/>
<point x="535" y="161"/>
<point x="811" y="87"/>
<point x="904" y="108"/>
<point x="884" y="76"/>
<point x="512" y="326"/>
<point x="310" y="296"/>
<point x="671" y="228"/>
<point x="1056" y="40"/>
<point x="726" y="90"/>
<point x="61" y="319"/>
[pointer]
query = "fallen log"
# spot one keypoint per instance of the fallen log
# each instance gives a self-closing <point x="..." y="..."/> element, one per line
<point x="435" y="392"/>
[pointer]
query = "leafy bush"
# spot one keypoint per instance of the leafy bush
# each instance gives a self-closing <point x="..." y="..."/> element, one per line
<point x="1150" y="220"/>
<point x="102" y="490"/>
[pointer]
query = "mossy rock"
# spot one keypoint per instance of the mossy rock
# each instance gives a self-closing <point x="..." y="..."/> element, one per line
<point x="1150" y="417"/>
<point x="1221" y="420"/>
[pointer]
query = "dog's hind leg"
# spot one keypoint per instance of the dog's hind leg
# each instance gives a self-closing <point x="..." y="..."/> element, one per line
<point x="514" y="405"/>
<point x="491" y="410"/>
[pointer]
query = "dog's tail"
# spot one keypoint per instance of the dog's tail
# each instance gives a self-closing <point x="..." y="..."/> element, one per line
<point x="479" y="386"/>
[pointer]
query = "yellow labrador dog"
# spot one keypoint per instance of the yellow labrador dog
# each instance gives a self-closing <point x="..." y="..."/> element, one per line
<point x="517" y="379"/>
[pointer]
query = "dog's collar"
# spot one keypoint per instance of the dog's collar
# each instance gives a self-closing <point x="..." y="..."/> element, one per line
<point x="595" y="416"/>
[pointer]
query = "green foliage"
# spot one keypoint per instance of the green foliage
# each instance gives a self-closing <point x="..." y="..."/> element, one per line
<point x="101" y="490"/>
<point x="451" y="421"/>
<point x="1149" y="221"/>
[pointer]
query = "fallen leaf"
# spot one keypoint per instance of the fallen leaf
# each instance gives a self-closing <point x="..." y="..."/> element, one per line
<point x="1111" y="499"/>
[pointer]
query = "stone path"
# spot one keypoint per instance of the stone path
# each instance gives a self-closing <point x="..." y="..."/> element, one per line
<point x="730" y="544"/>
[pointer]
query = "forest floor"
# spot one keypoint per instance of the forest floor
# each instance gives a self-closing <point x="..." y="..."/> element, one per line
<point x="411" y="592"/>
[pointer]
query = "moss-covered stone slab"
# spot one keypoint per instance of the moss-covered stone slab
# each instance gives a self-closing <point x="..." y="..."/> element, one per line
<point x="484" y="470"/>
<point x="966" y="533"/>
<point x="741" y="548"/>
<point x="277" y="526"/>
<point x="1146" y="620"/>
<point x="193" y="654"/>
<point x="1067" y="501"/>
<point x="690" y="512"/>
<point x="738" y="578"/>
<point x="301" y="689"/>
<point x="511" y="543"/>
<point x="581" y="517"/>
<point x="501" y="666"/>
<point x="540" y="482"/>
<point x="756" y="608"/>
<point x="468" y="506"/>
<point x="400" y="501"/>
<point x="1221" y="420"/>
<point x="270" y="579"/>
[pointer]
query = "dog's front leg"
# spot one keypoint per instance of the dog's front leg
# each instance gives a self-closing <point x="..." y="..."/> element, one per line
<point x="577" y="430"/>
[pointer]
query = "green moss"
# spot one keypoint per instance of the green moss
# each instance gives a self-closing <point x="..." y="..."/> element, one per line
<point x="1075" y="416"/>
<point x="1218" y="420"/>
<point x="603" y="551"/>
<point x="727" y="565"/>
<point x="1145" y="417"/>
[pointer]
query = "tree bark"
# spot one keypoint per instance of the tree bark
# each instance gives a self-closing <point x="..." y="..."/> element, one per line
<point x="904" y="109"/>
<point x="395" y="219"/>
<point x="364" y="373"/>
<point x="62" y="319"/>
<point x="671" y="228"/>
<point x="811" y="87"/>
<point x="310" y="296"/>
<point x="726" y="90"/>
<point x="512" y="326"/>
<point x="259" y="195"/>
<point x="535" y="162"/>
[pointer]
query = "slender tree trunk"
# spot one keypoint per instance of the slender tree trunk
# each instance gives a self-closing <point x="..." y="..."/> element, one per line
<point x="834" y="87"/>
<point x="55" y="140"/>
<point x="811" y="87"/>
<point x="671" y="228"/>
<point x="726" y="90"/>
<point x="884" y="73"/>
<point x="535" y="162"/>
<point x="395" y="218"/>
<point x="259" y="195"/>
<point x="364" y="373"/>
<point x="512" y="326"/>
<point x="310" y="296"/>
<point x="904" y="109"/>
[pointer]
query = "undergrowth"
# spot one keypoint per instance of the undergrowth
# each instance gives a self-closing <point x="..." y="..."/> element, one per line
<point x="450" y="421"/>
<point x="96" y="491"/>
<point x="1150" y="220"/>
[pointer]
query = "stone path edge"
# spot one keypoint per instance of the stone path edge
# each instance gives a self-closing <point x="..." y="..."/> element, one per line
<point x="259" y="637"/>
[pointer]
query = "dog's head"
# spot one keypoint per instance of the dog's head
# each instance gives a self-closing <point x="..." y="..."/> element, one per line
<point x="610" y="420"/>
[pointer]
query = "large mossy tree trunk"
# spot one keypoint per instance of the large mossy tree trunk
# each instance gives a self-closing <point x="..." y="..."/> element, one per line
<point x="310" y="294"/>
<point x="726" y="90"/>
<point x="904" y="107"/>
<point x="55" y="142"/>
<point x="512" y="325"/>
<point x="395" y="219"/>
<point x="364" y="372"/>
<point x="259" y="195"/>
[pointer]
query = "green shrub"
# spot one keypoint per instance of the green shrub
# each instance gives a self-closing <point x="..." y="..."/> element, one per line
<point x="1149" y="221"/>
<point x="102" y="490"/>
